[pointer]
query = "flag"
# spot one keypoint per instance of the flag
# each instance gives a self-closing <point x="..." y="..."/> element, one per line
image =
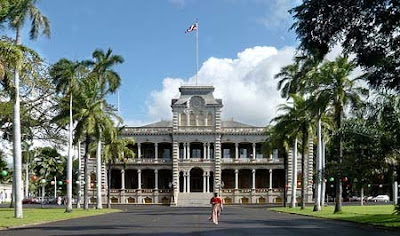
<point x="191" y="28"/>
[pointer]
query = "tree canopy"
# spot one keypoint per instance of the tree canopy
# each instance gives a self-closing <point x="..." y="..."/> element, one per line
<point x="368" y="29"/>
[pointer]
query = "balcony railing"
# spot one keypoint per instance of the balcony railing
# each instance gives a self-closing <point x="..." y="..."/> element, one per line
<point x="251" y="160"/>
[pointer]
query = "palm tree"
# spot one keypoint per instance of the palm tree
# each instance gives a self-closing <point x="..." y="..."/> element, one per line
<point x="299" y="120"/>
<point x="48" y="163"/>
<point x="91" y="119"/>
<point x="109" y="80"/>
<point x="116" y="151"/>
<point x="66" y="75"/>
<point x="336" y="90"/>
<point x="23" y="10"/>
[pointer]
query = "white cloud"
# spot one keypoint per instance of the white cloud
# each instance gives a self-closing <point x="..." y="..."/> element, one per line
<point x="246" y="84"/>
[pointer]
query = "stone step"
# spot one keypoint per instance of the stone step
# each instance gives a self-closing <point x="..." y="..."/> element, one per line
<point x="194" y="199"/>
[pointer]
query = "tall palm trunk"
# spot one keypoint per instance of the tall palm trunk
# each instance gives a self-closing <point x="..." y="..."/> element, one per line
<point x="338" y="206"/>
<point x="294" y="174"/>
<point x="323" y="174"/>
<point x="78" y="202"/>
<point x="318" y="167"/>
<point x="17" y="178"/>
<point x="285" y="189"/>
<point x="303" y="172"/>
<point x="85" y="174"/>
<point x="98" y="170"/>
<point x="27" y="179"/>
<point x="69" y="163"/>
<point x="108" y="186"/>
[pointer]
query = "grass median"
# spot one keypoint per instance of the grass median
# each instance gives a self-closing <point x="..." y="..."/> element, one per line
<point x="37" y="216"/>
<point x="375" y="215"/>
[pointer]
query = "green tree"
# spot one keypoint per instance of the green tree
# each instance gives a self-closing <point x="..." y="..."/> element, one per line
<point x="109" y="80"/>
<point x="336" y="90"/>
<point x="299" y="121"/>
<point x="17" y="16"/>
<point x="92" y="115"/>
<point x="116" y="151"/>
<point x="368" y="29"/>
<point x="66" y="75"/>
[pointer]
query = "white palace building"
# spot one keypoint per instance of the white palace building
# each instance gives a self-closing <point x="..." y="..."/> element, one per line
<point x="183" y="161"/>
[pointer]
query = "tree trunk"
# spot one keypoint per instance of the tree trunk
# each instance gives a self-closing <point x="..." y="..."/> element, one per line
<point x="98" y="170"/>
<point x="78" y="202"/>
<point x="108" y="186"/>
<point x="362" y="197"/>
<point x="303" y="172"/>
<point x="318" y="167"/>
<point x="27" y="179"/>
<point x="85" y="174"/>
<point x="69" y="163"/>
<point x="17" y="141"/>
<point x="285" y="164"/>
<point x="323" y="174"/>
<point x="338" y="206"/>
<point x="294" y="174"/>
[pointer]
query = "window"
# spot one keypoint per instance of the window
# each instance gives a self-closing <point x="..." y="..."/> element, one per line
<point x="227" y="153"/>
<point x="243" y="153"/>
<point x="196" y="153"/>
<point x="183" y="119"/>
<point x="200" y="119"/>
<point x="210" y="119"/>
<point x="166" y="154"/>
<point x="192" y="119"/>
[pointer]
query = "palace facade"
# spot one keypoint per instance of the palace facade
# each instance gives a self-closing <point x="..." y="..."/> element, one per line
<point x="183" y="161"/>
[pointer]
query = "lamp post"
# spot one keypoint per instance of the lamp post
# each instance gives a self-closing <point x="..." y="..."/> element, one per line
<point x="3" y="194"/>
<point x="43" y="183"/>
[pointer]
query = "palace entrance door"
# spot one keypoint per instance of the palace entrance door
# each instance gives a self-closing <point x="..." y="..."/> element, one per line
<point x="196" y="180"/>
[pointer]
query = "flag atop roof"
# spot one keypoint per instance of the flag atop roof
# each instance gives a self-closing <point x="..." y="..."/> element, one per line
<point x="191" y="28"/>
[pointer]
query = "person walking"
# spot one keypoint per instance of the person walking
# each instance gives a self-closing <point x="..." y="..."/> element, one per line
<point x="216" y="208"/>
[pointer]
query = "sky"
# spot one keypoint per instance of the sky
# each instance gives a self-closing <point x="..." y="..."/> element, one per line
<point x="242" y="45"/>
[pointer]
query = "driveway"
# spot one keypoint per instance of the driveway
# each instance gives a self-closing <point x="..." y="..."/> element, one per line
<point x="235" y="220"/>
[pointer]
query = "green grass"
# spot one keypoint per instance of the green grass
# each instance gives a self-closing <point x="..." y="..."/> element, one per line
<point x="35" y="216"/>
<point x="374" y="215"/>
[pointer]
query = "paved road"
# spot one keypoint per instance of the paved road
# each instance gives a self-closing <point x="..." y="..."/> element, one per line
<point x="236" y="220"/>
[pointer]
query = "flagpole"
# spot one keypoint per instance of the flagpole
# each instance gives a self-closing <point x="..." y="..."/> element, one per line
<point x="197" y="48"/>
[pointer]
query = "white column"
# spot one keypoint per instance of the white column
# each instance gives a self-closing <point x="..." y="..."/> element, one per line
<point x="270" y="179"/>
<point x="184" y="182"/>
<point x="155" y="151"/>
<point x="188" y="150"/>
<point x="208" y="151"/>
<point x="204" y="182"/>
<point x="122" y="179"/>
<point x="236" y="151"/>
<point x="156" y="179"/>
<point x="188" y="182"/>
<point x="254" y="151"/>
<point x="184" y="151"/>
<point x="139" y="147"/>
<point x="139" y="175"/>
<point x="204" y="150"/>
<point x="236" y="179"/>
<point x="254" y="179"/>
<point x="395" y="192"/>
<point x="208" y="182"/>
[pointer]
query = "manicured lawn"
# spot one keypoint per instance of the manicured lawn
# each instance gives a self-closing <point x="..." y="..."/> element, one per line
<point x="375" y="215"/>
<point x="34" y="216"/>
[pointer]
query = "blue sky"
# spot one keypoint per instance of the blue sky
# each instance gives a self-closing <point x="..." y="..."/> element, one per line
<point x="159" y="55"/>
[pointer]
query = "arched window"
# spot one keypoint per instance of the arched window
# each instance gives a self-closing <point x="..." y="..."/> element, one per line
<point x="183" y="119"/>
<point x="192" y="119"/>
<point x="201" y="119"/>
<point x="210" y="121"/>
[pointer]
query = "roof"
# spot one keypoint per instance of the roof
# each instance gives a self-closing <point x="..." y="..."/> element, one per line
<point x="160" y="124"/>
<point x="235" y="124"/>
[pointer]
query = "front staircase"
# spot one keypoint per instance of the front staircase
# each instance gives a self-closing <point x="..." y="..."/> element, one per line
<point x="194" y="199"/>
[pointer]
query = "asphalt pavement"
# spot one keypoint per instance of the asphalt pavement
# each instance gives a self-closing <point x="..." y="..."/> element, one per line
<point x="164" y="220"/>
